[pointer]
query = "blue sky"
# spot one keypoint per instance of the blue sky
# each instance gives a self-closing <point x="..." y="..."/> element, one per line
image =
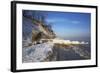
<point x="70" y="25"/>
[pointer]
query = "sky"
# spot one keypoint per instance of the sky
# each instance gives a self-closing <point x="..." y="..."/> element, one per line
<point x="70" y="25"/>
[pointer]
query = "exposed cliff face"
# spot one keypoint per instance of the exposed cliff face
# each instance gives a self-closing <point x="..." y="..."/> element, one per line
<point x="28" y="26"/>
<point x="34" y="30"/>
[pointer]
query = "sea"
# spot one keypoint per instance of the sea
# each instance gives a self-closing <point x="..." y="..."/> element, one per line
<point x="78" y="52"/>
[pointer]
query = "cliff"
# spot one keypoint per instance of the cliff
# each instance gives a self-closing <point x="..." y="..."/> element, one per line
<point x="34" y="30"/>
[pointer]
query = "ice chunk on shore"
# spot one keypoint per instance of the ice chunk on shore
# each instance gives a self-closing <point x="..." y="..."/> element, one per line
<point x="37" y="53"/>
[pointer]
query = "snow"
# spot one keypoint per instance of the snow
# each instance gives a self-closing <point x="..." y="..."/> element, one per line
<point x="37" y="53"/>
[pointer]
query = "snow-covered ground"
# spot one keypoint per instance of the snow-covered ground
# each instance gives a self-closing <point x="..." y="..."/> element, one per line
<point x="37" y="53"/>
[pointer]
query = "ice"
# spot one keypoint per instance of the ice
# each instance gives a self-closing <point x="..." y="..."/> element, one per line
<point x="81" y="52"/>
<point x="37" y="53"/>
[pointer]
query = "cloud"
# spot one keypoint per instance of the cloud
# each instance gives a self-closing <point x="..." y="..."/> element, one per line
<point x="75" y="22"/>
<point x="53" y="20"/>
<point x="62" y="20"/>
